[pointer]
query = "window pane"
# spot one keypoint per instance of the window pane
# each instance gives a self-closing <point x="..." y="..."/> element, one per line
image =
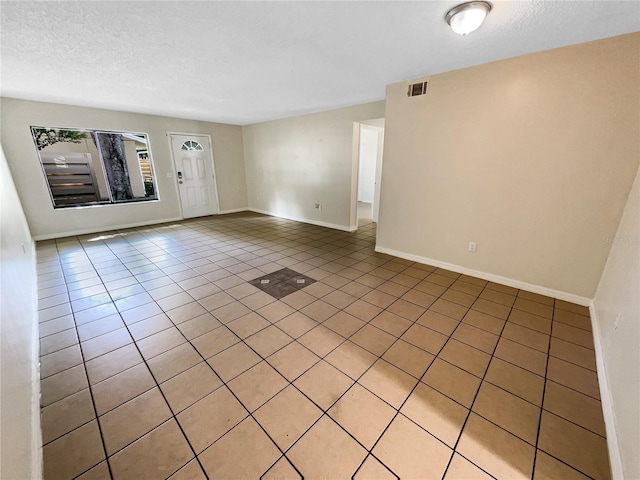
<point x="191" y="145"/>
<point x="85" y="167"/>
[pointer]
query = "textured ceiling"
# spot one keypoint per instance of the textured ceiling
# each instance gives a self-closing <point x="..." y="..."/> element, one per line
<point x="245" y="62"/>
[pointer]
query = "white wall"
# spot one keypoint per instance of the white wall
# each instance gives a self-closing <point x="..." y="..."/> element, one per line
<point x="616" y="318"/>
<point x="294" y="163"/>
<point x="531" y="157"/>
<point x="18" y="115"/>
<point x="20" y="435"/>
<point x="367" y="169"/>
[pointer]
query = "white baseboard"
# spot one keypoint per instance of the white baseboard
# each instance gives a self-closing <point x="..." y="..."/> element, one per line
<point x="105" y="228"/>
<point x="306" y="220"/>
<point x="510" y="282"/>
<point x="73" y="233"/>
<point x="235" y="210"/>
<point x="615" y="460"/>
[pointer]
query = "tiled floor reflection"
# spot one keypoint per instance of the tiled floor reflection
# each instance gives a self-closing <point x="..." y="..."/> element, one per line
<point x="160" y="360"/>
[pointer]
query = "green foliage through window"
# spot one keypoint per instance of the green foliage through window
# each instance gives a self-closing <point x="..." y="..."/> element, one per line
<point x="45" y="137"/>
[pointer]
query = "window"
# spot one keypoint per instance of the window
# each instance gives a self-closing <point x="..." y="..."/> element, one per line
<point x="95" y="167"/>
<point x="191" y="145"/>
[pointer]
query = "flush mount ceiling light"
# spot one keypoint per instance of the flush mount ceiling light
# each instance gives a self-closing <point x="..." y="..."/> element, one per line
<point x="467" y="17"/>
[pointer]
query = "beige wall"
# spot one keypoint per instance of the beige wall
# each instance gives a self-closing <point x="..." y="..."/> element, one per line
<point x="20" y="437"/>
<point x="296" y="162"/>
<point x="616" y="317"/>
<point x="19" y="115"/>
<point x="531" y="157"/>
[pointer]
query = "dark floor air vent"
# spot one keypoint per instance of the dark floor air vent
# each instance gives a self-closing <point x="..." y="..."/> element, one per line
<point x="416" y="89"/>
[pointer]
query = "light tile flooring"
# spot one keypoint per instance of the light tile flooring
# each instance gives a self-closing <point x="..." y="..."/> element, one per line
<point x="159" y="360"/>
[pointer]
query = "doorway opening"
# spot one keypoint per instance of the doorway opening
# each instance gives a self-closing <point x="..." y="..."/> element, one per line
<point x="368" y="143"/>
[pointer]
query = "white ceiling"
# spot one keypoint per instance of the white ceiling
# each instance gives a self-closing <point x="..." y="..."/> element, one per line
<point x="245" y="62"/>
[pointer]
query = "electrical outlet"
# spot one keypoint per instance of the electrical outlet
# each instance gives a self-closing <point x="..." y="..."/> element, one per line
<point x="472" y="246"/>
<point x="318" y="206"/>
<point x="617" y="321"/>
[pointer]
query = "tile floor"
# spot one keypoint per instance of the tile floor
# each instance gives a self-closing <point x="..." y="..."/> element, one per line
<point x="160" y="360"/>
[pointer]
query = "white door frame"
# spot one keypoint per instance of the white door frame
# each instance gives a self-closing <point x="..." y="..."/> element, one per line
<point x="175" y="168"/>
<point x="355" y="171"/>
<point x="378" y="179"/>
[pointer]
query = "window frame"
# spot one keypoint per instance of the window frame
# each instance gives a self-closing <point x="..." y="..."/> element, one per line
<point x="92" y="134"/>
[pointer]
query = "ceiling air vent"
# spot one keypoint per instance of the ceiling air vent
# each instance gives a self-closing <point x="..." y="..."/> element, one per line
<point x="416" y="89"/>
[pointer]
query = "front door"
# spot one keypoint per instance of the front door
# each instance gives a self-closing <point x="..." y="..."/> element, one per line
<point x="194" y="174"/>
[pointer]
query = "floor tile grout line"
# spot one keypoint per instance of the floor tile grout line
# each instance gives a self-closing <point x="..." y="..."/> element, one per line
<point x="370" y="454"/>
<point x="141" y="320"/>
<point x="402" y="405"/>
<point x="325" y="411"/>
<point x="365" y="323"/>
<point x="74" y="428"/>
<point x="505" y="390"/>
<point x="542" y="409"/>
<point x="455" y="452"/>
<point x="544" y="391"/>
<point x="485" y="380"/>
<point x="106" y="332"/>
<point x="93" y="402"/>
<point x="278" y="459"/>
<point x="351" y="280"/>
<point x="173" y="415"/>
<point x="399" y="272"/>
<point x="288" y="257"/>
<point x="568" y="465"/>
<point x="205" y="360"/>
<point x="294" y="254"/>
<point x="574" y="343"/>
<point x="576" y="391"/>
<point x="128" y="400"/>
<point x="550" y="335"/>
<point x="378" y="357"/>
<point x="572" y="326"/>
<point x="249" y="412"/>
<point x="470" y="410"/>
<point x="75" y="393"/>
<point x="539" y="406"/>
<point x="410" y="392"/>
<point x="534" y="373"/>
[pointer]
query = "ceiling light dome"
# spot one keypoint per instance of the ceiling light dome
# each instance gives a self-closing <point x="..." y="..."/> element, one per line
<point x="467" y="17"/>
